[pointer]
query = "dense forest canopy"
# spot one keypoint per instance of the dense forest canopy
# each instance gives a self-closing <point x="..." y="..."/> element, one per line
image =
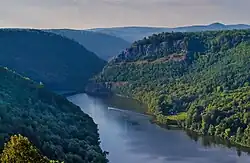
<point x="52" y="59"/>
<point x="197" y="80"/>
<point x="58" y="128"/>
<point x="20" y="150"/>
<point x="105" y="46"/>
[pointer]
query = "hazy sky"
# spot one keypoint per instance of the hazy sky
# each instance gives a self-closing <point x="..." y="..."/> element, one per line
<point x="107" y="13"/>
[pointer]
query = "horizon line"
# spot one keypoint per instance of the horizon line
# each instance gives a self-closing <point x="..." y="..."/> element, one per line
<point x="129" y="26"/>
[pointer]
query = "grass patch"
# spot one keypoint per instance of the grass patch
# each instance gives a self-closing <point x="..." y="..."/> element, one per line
<point x="179" y="117"/>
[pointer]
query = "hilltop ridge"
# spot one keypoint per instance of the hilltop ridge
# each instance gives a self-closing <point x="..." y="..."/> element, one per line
<point x="104" y="45"/>
<point x="48" y="58"/>
<point x="135" y="33"/>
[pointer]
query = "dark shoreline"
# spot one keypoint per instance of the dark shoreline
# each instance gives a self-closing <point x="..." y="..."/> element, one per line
<point x="70" y="94"/>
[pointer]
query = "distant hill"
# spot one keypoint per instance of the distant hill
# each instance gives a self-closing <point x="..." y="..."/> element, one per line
<point x="104" y="45"/>
<point x="56" y="61"/>
<point x="58" y="128"/>
<point x="132" y="34"/>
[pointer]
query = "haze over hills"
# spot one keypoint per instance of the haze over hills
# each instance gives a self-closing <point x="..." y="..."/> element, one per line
<point x="132" y="34"/>
<point x="54" y="60"/>
<point x="104" y="45"/>
<point x="108" y="42"/>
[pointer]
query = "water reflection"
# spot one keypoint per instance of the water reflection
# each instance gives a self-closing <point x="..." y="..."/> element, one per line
<point x="208" y="141"/>
<point x="125" y="104"/>
<point x="131" y="138"/>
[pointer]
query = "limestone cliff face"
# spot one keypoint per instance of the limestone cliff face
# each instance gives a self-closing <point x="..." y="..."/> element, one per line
<point x="166" y="45"/>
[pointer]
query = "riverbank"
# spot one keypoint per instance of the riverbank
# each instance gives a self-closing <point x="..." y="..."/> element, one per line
<point x="171" y="122"/>
<point x="68" y="93"/>
<point x="219" y="140"/>
<point x="179" y="122"/>
<point x="130" y="137"/>
<point x="181" y="125"/>
<point x="232" y="142"/>
<point x="98" y="89"/>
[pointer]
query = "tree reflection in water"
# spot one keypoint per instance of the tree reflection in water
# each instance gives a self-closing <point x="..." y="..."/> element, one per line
<point x="209" y="141"/>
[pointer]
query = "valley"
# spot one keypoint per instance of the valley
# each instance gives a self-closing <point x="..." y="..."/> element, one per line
<point x="183" y="81"/>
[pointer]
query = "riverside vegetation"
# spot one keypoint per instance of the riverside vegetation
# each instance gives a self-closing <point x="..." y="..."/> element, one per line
<point x="57" y="127"/>
<point x="199" y="81"/>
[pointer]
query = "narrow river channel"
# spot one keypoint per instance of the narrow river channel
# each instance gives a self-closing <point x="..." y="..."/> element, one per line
<point x="129" y="137"/>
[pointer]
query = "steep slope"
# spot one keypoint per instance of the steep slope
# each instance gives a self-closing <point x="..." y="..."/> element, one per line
<point x="185" y="76"/>
<point x="59" y="129"/>
<point x="105" y="46"/>
<point x="132" y="34"/>
<point x="56" y="61"/>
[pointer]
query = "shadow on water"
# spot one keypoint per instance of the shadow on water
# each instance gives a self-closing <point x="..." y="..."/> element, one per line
<point x="210" y="141"/>
<point x="125" y="104"/>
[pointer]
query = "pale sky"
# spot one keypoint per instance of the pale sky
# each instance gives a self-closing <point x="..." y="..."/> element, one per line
<point x="108" y="13"/>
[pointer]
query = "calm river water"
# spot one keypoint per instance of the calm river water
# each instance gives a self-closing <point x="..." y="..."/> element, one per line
<point x="129" y="137"/>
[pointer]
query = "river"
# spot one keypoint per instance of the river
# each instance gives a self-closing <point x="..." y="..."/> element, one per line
<point x="129" y="137"/>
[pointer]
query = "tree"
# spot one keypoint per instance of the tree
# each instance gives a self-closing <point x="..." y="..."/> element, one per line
<point x="20" y="150"/>
<point x="211" y="130"/>
<point x="48" y="120"/>
<point x="238" y="134"/>
<point x="227" y="132"/>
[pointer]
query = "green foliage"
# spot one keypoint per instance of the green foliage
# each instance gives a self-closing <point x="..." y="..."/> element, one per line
<point x="52" y="59"/>
<point x="178" y="117"/>
<point x="172" y="72"/>
<point x="223" y="114"/>
<point x="20" y="150"/>
<point x="58" y="128"/>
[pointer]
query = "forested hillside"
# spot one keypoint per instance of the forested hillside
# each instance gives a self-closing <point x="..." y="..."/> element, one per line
<point x="197" y="80"/>
<point x="105" y="46"/>
<point x="58" y="128"/>
<point x="52" y="59"/>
